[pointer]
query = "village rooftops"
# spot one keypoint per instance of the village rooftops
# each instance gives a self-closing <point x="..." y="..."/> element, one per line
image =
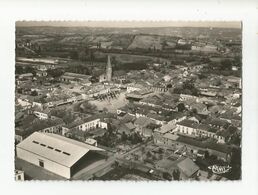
<point x="100" y="117"/>
<point x="171" y="136"/>
<point x="142" y="121"/>
<point x="191" y="141"/>
<point x="229" y="116"/>
<point x="216" y="122"/>
<point x="188" y="123"/>
<point x="166" y="164"/>
<point x="194" y="125"/>
<point x="188" y="167"/>
<point x="26" y="75"/>
<point x="166" y="128"/>
<point x="43" y="124"/>
<point x="204" y="145"/>
<point x="206" y="128"/>
<point x="75" y="76"/>
<point x="130" y="125"/>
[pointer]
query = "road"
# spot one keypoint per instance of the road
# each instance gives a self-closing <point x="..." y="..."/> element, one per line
<point x="89" y="171"/>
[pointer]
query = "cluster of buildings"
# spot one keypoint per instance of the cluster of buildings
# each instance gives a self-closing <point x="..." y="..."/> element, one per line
<point x="157" y="107"/>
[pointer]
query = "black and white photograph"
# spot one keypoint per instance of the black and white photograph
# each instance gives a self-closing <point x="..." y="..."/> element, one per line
<point x="131" y="97"/>
<point x="128" y="101"/>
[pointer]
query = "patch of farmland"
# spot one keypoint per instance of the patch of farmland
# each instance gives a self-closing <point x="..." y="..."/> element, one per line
<point x="72" y="39"/>
<point x="146" y="42"/>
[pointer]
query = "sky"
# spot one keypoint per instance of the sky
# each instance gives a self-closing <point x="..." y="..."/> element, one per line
<point x="132" y="24"/>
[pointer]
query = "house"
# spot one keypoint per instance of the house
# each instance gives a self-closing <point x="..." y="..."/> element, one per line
<point x="134" y="87"/>
<point x="74" y="78"/>
<point x="26" y="76"/>
<point x="184" y="97"/>
<point x="188" y="169"/>
<point x="20" y="135"/>
<point x="208" y="92"/>
<point x="127" y="129"/>
<point x="166" y="165"/>
<point x="42" y="114"/>
<point x="217" y="123"/>
<point x="192" y="129"/>
<point x="192" y="145"/>
<point x="119" y="76"/>
<point x="199" y="108"/>
<point x="147" y="131"/>
<point x="91" y="142"/>
<point x="195" y="119"/>
<point x="19" y="175"/>
<point x="140" y="123"/>
<point x="236" y="81"/>
<point x="41" y="73"/>
<point x="187" y="127"/>
<point x="167" y="78"/>
<point x="54" y="127"/>
<point x="89" y="123"/>
<point x="127" y="118"/>
<point x="165" y="129"/>
<point x="160" y="101"/>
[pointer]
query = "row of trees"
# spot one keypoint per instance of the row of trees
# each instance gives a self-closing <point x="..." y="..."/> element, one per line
<point x="65" y="114"/>
<point x="187" y="88"/>
<point x="85" y="107"/>
<point x="134" y="138"/>
<point x="24" y="69"/>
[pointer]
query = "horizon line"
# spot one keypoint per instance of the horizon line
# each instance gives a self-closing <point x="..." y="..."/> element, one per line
<point x="131" y="24"/>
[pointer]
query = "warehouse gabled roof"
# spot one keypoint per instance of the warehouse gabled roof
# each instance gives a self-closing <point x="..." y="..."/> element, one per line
<point x="56" y="148"/>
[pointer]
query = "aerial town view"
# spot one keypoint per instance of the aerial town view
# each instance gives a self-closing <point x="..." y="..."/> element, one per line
<point x="125" y="102"/>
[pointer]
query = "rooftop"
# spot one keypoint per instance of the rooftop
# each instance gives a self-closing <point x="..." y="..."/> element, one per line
<point x="56" y="148"/>
<point x="188" y="167"/>
<point x="167" y="127"/>
<point x="75" y="75"/>
<point x="188" y="123"/>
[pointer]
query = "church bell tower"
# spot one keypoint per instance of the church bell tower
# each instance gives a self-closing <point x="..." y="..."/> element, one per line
<point x="109" y="70"/>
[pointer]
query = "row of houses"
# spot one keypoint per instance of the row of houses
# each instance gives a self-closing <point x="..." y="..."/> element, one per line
<point x="192" y="146"/>
<point x="159" y="117"/>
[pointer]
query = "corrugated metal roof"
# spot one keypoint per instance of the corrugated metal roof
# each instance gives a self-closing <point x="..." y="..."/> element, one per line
<point x="56" y="148"/>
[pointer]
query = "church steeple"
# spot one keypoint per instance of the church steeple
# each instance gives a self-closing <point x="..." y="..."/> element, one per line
<point x="109" y="69"/>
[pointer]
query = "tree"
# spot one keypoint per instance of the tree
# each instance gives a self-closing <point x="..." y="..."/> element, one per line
<point x="166" y="176"/>
<point x="105" y="110"/>
<point x="123" y="137"/>
<point x="169" y="85"/>
<point x="226" y="64"/>
<point x="55" y="72"/>
<point x="74" y="55"/>
<point x="206" y="154"/>
<point x="178" y="90"/>
<point x="83" y="55"/>
<point x="65" y="114"/>
<point x="34" y="93"/>
<point x="135" y="138"/>
<point x="202" y="76"/>
<point x="181" y="107"/>
<point x="148" y="154"/>
<point x="176" y="174"/>
<point x="85" y="107"/>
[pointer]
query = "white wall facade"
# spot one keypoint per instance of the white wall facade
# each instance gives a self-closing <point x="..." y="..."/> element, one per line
<point x="41" y="115"/>
<point x="89" y="125"/>
<point x="48" y="164"/>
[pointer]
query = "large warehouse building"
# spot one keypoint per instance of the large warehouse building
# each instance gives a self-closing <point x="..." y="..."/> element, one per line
<point x="54" y="153"/>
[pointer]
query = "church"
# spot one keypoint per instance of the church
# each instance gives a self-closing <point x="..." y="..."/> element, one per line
<point x="107" y="77"/>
